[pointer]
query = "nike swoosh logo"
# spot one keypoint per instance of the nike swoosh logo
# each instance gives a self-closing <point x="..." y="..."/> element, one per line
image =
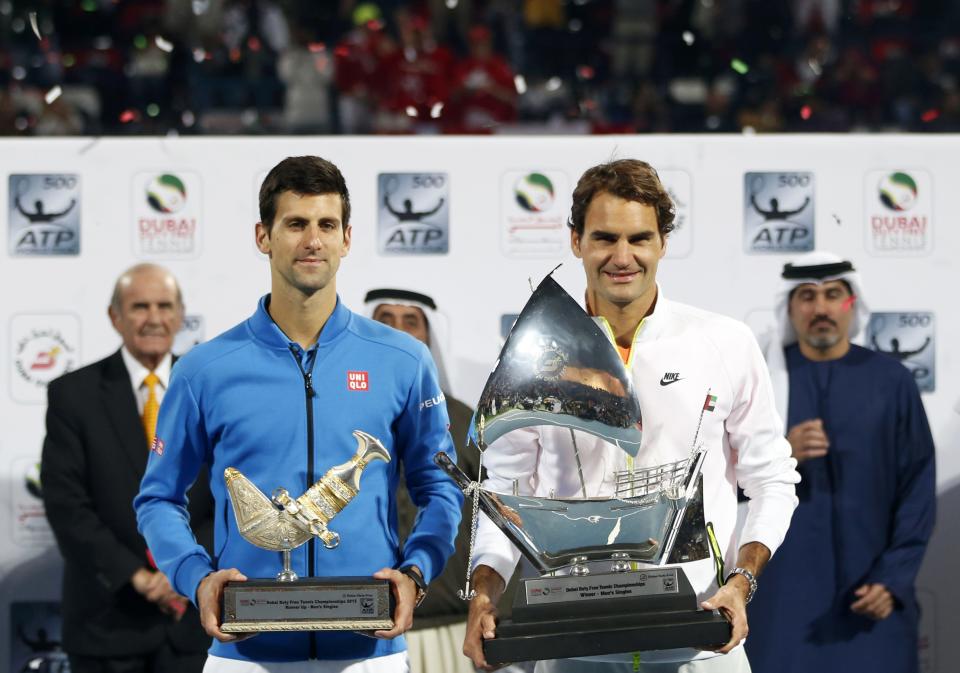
<point x="666" y="382"/>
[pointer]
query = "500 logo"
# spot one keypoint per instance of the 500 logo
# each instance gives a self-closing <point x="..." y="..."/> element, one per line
<point x="413" y="217"/>
<point x="44" y="214"/>
<point x="778" y="212"/>
<point x="909" y="338"/>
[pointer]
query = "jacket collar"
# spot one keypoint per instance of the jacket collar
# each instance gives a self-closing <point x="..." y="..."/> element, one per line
<point x="651" y="325"/>
<point x="267" y="332"/>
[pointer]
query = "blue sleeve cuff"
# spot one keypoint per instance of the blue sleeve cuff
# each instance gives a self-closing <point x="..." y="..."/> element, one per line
<point x="189" y="574"/>
<point x="421" y="559"/>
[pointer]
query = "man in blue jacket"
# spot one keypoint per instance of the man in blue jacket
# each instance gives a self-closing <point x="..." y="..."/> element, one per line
<point x="278" y="397"/>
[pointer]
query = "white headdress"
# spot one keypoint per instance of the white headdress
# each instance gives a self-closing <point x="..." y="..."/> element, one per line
<point x="813" y="267"/>
<point x="437" y="327"/>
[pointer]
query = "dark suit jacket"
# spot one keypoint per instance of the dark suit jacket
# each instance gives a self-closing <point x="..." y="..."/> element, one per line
<point x="94" y="456"/>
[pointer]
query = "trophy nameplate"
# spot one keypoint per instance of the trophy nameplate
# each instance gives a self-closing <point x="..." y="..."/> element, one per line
<point x="608" y="580"/>
<point x="282" y="523"/>
<point x="353" y="603"/>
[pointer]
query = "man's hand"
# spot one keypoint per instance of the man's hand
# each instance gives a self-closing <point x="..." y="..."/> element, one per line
<point x="808" y="440"/>
<point x="873" y="601"/>
<point x="154" y="586"/>
<point x="730" y="600"/>
<point x="482" y="618"/>
<point x="209" y="595"/>
<point x="405" y="591"/>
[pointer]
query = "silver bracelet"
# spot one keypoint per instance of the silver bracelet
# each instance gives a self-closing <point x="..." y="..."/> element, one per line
<point x="749" y="577"/>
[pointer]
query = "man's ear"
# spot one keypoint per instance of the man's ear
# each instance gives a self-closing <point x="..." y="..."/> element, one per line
<point x="262" y="238"/>
<point x="575" y="243"/>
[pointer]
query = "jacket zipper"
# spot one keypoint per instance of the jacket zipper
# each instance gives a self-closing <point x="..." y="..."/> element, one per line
<point x="308" y="392"/>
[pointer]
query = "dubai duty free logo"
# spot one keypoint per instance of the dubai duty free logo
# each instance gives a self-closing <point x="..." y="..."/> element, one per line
<point x="166" y="215"/>
<point x="899" y="213"/>
<point x="44" y="214"/>
<point x="534" y="207"/>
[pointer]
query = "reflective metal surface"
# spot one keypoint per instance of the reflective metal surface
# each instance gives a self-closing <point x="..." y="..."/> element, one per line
<point x="559" y="367"/>
<point x="555" y="533"/>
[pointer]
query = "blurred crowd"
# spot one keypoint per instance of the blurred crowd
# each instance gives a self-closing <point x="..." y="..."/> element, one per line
<point x="124" y="67"/>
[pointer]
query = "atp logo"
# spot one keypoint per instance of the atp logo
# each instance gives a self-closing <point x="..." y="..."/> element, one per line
<point x="44" y="214"/>
<point x="778" y="212"/>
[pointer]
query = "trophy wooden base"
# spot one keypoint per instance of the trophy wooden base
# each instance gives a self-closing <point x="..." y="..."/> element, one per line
<point x="564" y="617"/>
<point x="308" y="604"/>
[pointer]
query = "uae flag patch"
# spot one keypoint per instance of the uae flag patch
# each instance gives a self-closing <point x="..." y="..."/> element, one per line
<point x="710" y="403"/>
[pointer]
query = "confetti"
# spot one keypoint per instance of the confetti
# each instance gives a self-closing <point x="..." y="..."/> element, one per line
<point x="585" y="72"/>
<point x="805" y="112"/>
<point x="554" y="83"/>
<point x="836" y="219"/>
<point x="153" y="110"/>
<point x="34" y="26"/>
<point x="53" y="94"/>
<point x="739" y="66"/>
<point x="128" y="116"/>
<point x="436" y="110"/>
<point x="688" y="38"/>
<point x="520" y="83"/>
<point x="163" y="44"/>
<point x="316" y="47"/>
<point x="411" y="111"/>
<point x="930" y="115"/>
<point x="199" y="55"/>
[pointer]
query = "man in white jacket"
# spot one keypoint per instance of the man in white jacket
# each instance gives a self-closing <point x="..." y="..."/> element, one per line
<point x="685" y="363"/>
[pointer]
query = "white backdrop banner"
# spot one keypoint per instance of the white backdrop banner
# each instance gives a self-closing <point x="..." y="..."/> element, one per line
<point x="472" y="222"/>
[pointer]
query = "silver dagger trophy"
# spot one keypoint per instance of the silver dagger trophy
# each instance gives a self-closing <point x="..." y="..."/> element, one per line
<point x="282" y="523"/>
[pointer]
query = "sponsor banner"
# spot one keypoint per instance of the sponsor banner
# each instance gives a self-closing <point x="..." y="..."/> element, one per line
<point x="43" y="347"/>
<point x="678" y="185"/>
<point x="899" y="210"/>
<point x="191" y="333"/>
<point x="166" y="214"/>
<point x="30" y="527"/>
<point x="44" y="214"/>
<point x="909" y="338"/>
<point x="413" y="213"/>
<point x="778" y="212"/>
<point x="534" y="207"/>
<point x="35" y="638"/>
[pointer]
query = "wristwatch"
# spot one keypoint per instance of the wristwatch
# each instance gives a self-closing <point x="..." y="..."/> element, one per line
<point x="418" y="580"/>
<point x="749" y="577"/>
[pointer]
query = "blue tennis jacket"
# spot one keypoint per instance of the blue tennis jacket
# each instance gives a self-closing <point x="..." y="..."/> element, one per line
<point x="254" y="400"/>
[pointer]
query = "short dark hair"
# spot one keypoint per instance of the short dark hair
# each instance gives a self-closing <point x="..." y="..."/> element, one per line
<point x="302" y="175"/>
<point x="629" y="179"/>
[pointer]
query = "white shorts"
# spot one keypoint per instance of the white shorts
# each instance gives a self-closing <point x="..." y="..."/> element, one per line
<point x="391" y="663"/>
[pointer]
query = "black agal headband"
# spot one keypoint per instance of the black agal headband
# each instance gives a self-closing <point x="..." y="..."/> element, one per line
<point x="399" y="296"/>
<point x="817" y="271"/>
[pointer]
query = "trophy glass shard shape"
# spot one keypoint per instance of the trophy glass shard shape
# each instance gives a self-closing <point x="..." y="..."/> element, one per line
<point x="560" y="368"/>
<point x="282" y="523"/>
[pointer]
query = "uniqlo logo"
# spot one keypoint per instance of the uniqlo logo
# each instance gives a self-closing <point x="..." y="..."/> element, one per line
<point x="358" y="381"/>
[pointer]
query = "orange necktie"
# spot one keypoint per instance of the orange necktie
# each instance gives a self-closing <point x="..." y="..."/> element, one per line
<point x="151" y="407"/>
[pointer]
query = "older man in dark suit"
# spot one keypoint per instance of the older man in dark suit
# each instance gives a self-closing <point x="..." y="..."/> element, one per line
<point x="119" y="613"/>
